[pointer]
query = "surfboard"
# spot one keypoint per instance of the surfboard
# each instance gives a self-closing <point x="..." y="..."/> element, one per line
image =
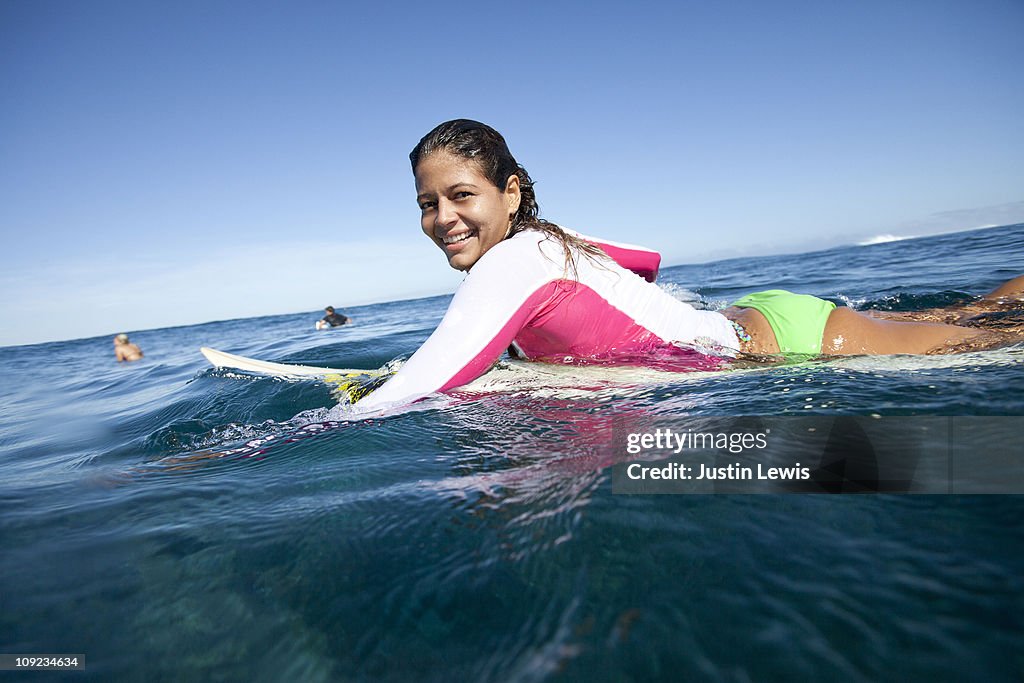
<point x="347" y="384"/>
<point x="222" y="359"/>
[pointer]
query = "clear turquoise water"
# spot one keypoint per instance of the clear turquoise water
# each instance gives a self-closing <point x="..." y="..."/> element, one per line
<point x="176" y="522"/>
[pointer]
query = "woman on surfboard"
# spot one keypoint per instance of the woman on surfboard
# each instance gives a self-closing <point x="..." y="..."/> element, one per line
<point x="546" y="293"/>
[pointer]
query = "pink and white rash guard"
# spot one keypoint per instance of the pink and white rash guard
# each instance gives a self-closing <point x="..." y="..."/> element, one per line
<point x="522" y="293"/>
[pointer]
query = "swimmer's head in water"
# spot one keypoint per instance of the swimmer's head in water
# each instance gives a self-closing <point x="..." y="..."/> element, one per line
<point x="121" y="338"/>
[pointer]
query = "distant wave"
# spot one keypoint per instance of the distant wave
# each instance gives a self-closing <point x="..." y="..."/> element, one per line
<point x="882" y="239"/>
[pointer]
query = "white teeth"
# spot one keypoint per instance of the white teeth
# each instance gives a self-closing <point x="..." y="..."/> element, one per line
<point x="455" y="239"/>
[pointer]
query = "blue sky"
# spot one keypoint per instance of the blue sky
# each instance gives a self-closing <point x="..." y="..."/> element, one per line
<point x="174" y="163"/>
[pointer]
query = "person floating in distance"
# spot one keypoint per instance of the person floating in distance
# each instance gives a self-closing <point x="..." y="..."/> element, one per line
<point x="125" y="350"/>
<point x="561" y="297"/>
<point x="332" y="319"/>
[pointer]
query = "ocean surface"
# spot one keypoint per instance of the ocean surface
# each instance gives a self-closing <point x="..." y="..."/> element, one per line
<point x="172" y="521"/>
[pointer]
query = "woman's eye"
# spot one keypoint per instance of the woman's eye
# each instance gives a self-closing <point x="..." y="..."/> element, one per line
<point x="463" y="194"/>
<point x="426" y="206"/>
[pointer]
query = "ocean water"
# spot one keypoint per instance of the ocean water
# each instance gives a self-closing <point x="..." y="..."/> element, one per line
<point x="171" y="521"/>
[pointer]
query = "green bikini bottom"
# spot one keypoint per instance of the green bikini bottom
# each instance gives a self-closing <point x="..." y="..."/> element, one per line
<point x="798" y="320"/>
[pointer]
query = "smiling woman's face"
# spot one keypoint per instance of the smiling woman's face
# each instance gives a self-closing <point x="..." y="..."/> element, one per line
<point x="462" y="211"/>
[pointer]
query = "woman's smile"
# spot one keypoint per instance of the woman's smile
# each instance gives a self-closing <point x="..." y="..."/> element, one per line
<point x="451" y="240"/>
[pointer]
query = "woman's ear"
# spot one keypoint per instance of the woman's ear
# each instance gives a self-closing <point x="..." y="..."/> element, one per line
<point x="512" y="194"/>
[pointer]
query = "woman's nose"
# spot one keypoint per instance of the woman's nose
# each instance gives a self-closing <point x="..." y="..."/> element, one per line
<point x="446" y="212"/>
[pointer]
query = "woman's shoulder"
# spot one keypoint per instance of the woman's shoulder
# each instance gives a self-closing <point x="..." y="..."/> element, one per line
<point x="529" y="256"/>
<point x="528" y="244"/>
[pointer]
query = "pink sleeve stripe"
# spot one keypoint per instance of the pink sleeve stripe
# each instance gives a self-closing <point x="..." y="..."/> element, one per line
<point x="483" y="361"/>
<point x="643" y="262"/>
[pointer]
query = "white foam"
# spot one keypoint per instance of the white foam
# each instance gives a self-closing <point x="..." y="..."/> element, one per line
<point x="855" y="304"/>
<point x="1009" y="355"/>
<point x="681" y="293"/>
<point x="883" y="238"/>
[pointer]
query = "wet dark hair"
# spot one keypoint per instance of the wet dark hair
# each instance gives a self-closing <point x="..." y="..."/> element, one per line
<point x="487" y="148"/>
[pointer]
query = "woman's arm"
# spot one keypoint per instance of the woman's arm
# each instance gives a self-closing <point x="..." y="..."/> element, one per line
<point x="495" y="301"/>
